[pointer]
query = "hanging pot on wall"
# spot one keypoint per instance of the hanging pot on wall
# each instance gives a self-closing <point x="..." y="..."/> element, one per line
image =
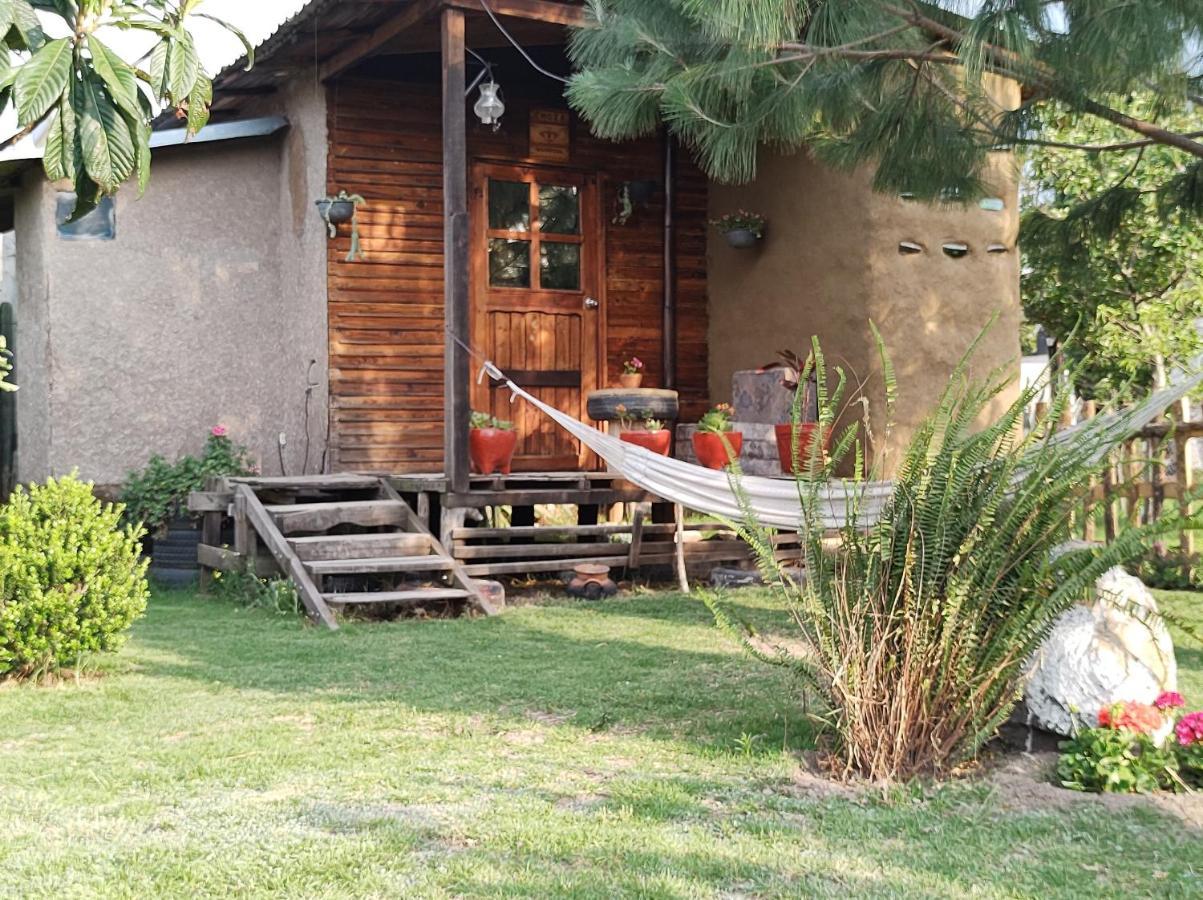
<point x="741" y="238"/>
<point x="335" y="211"/>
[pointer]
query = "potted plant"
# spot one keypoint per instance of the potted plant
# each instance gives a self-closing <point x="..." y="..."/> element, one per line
<point x="742" y="228"/>
<point x="644" y="431"/>
<point x="632" y="373"/>
<point x="338" y="210"/>
<point x="801" y="430"/>
<point x="491" y="443"/>
<point x="715" y="443"/>
<point x="157" y="498"/>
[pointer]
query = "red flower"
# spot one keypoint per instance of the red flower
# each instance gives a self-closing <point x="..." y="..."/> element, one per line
<point x="219" y="431"/>
<point x="1140" y="717"/>
<point x="1169" y="700"/>
<point x="1190" y="729"/>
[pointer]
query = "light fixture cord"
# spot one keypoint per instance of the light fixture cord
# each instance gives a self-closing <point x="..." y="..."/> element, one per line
<point x="509" y="37"/>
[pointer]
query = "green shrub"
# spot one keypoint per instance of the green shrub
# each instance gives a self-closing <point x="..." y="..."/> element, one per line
<point x="72" y="578"/>
<point x="1116" y="761"/>
<point x="1174" y="571"/>
<point x="915" y="622"/>
<point x="159" y="493"/>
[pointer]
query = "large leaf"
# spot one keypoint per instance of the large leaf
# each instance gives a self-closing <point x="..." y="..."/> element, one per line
<point x="105" y="139"/>
<point x="42" y="80"/>
<point x="60" y="159"/>
<point x="6" y="16"/>
<point x="28" y="26"/>
<point x="198" y="104"/>
<point x="118" y="77"/>
<point x="142" y="145"/>
<point x="183" y="69"/>
<point x="158" y="69"/>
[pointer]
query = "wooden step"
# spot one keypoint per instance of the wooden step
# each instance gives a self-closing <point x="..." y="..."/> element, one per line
<point x="380" y="565"/>
<point x="291" y="518"/>
<point x="415" y="596"/>
<point x="360" y="546"/>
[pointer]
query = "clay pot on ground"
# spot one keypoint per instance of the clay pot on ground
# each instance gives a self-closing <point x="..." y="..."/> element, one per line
<point x="656" y="441"/>
<point x="708" y="447"/>
<point x="806" y="433"/>
<point x="492" y="449"/>
<point x="631" y="380"/>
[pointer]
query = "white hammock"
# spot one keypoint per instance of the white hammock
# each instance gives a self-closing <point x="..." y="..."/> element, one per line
<point x="775" y="501"/>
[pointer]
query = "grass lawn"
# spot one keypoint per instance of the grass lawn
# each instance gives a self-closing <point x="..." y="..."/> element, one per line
<point x="561" y="750"/>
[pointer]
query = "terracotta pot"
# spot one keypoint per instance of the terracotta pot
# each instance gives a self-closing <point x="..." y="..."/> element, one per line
<point x="656" y="441"/>
<point x="630" y="381"/>
<point x="710" y="451"/>
<point x="492" y="449"/>
<point x="806" y="432"/>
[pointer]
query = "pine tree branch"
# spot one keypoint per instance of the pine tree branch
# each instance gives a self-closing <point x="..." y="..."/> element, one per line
<point x="1044" y="78"/>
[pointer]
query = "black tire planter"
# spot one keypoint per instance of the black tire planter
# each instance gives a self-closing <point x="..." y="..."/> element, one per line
<point x="173" y="557"/>
<point x="655" y="403"/>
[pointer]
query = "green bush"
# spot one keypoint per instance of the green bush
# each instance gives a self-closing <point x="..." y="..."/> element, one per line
<point x="1174" y="571"/>
<point x="1116" y="761"/>
<point x="159" y="493"/>
<point x="72" y="578"/>
<point x="915" y="621"/>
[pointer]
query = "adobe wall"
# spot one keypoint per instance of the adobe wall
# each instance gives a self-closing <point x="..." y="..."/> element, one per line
<point x="208" y="308"/>
<point x="830" y="263"/>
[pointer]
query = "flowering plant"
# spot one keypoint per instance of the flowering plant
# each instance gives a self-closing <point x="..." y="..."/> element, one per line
<point x="159" y="493"/>
<point x="632" y="366"/>
<point x="741" y="220"/>
<point x="1129" y="751"/>
<point x="1139" y="717"/>
<point x="718" y="420"/>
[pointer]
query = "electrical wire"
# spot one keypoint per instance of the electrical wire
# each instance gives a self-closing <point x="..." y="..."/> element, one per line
<point x="509" y="37"/>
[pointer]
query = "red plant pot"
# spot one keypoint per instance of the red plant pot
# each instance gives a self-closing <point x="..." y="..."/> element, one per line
<point x="492" y="449"/>
<point x="806" y="436"/>
<point x="656" y="441"/>
<point x="710" y="451"/>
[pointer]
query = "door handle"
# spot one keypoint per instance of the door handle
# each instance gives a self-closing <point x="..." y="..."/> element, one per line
<point x="592" y="303"/>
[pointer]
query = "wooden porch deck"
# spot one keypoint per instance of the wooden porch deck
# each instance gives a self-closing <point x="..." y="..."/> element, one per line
<point x="362" y="513"/>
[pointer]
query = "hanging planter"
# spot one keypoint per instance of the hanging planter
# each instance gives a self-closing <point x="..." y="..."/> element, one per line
<point x="339" y="210"/>
<point x="742" y="229"/>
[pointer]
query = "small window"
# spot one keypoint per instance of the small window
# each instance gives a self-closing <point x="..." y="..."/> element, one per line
<point x="98" y="225"/>
<point x="559" y="266"/>
<point x="509" y="263"/>
<point x="509" y="205"/>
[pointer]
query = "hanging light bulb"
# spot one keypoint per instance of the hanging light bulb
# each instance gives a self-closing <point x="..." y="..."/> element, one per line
<point x="489" y="107"/>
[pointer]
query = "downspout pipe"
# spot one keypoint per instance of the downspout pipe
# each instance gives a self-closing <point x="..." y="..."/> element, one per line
<point x="669" y="325"/>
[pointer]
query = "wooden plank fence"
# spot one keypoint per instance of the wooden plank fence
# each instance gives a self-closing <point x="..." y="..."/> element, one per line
<point x="1143" y="480"/>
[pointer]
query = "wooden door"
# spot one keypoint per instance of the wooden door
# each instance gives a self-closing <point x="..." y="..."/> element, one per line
<point x="535" y="252"/>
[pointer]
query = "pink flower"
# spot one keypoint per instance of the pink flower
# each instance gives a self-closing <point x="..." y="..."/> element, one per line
<point x="1190" y="729"/>
<point x="1169" y="700"/>
<point x="219" y="431"/>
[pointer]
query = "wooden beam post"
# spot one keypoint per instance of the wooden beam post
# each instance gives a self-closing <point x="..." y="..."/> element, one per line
<point x="456" y="376"/>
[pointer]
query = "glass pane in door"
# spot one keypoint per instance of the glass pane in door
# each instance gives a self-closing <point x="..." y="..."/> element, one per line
<point x="509" y="263"/>
<point x="509" y="205"/>
<point x="559" y="266"/>
<point x="559" y="209"/>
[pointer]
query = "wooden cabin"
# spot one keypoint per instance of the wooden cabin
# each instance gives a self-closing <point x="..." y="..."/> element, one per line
<point x="530" y="242"/>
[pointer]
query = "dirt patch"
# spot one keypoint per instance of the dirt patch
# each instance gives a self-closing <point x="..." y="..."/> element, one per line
<point x="1024" y="783"/>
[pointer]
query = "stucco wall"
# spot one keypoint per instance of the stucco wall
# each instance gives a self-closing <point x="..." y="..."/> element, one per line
<point x="207" y="309"/>
<point x="830" y="263"/>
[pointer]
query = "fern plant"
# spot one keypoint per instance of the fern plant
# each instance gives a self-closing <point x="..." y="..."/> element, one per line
<point x="915" y="621"/>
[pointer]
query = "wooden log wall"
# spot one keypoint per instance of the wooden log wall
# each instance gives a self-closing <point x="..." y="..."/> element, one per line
<point x="386" y="312"/>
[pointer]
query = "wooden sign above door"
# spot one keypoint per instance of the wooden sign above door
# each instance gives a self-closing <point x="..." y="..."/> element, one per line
<point x="549" y="135"/>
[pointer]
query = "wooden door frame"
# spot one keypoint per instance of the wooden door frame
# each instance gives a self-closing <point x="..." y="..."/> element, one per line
<point x="593" y="280"/>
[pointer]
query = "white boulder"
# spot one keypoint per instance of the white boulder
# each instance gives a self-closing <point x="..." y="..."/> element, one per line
<point x="1116" y="649"/>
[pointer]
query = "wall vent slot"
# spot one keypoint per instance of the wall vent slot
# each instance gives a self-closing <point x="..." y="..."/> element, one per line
<point x="955" y="249"/>
<point x="909" y="248"/>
